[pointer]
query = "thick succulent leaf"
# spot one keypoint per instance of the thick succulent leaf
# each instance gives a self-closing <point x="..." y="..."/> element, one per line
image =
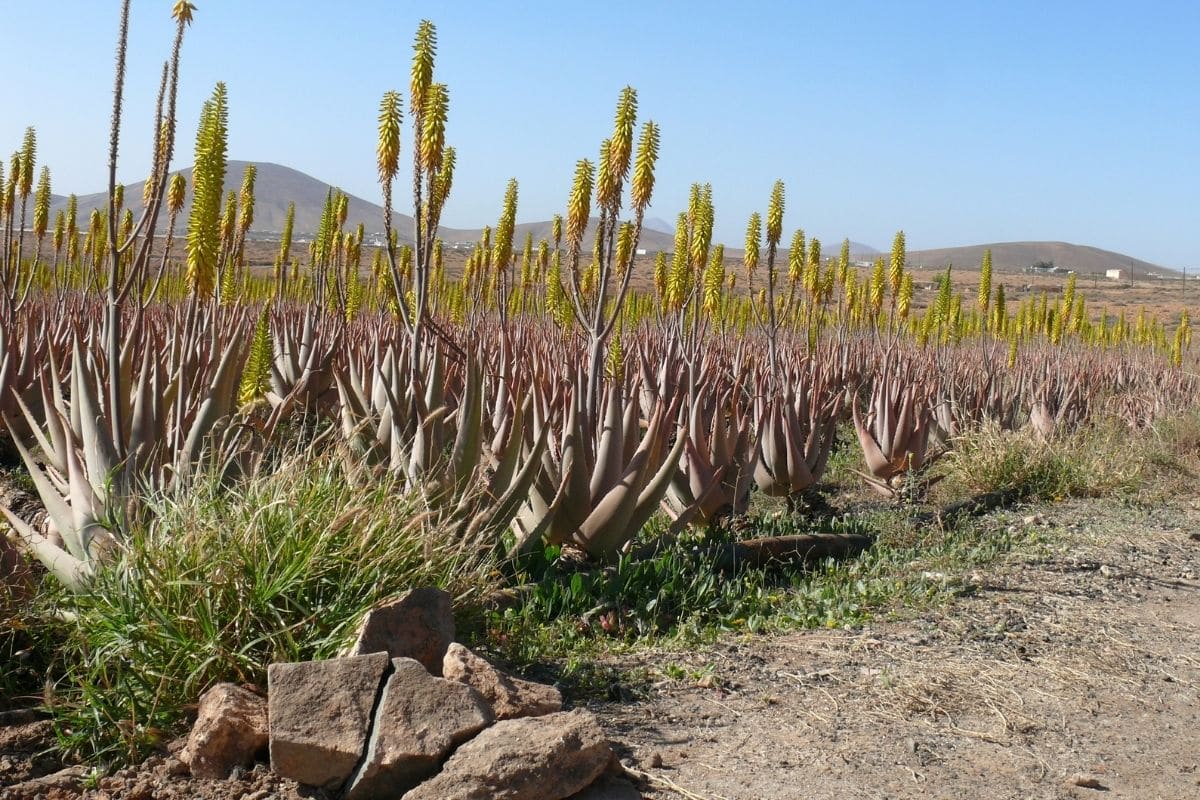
<point x="610" y="453"/>
<point x="877" y="464"/>
<point x="56" y="505"/>
<point x="71" y="571"/>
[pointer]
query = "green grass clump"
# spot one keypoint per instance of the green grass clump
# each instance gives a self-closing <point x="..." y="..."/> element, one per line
<point x="1092" y="462"/>
<point x="224" y="583"/>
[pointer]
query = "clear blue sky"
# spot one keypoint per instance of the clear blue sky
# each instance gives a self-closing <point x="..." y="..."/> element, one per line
<point x="960" y="122"/>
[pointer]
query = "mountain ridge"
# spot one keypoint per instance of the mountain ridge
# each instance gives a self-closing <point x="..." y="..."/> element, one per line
<point x="277" y="185"/>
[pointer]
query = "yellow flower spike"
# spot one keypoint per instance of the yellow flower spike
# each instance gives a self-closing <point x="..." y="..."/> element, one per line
<point x="904" y="300"/>
<point x="624" y="250"/>
<point x="797" y="256"/>
<point x="433" y="126"/>
<point x="208" y="178"/>
<point x="246" y="198"/>
<point x="579" y="203"/>
<point x="896" y="264"/>
<point x="677" y="278"/>
<point x="176" y="193"/>
<point x="388" y="149"/>
<point x="775" y="214"/>
<point x="183" y="12"/>
<point x="622" y="138"/>
<point x="504" y="229"/>
<point x="753" y="236"/>
<point x="424" y="53"/>
<point x="28" y="159"/>
<point x="643" y="168"/>
<point x="41" y="204"/>
<point x="714" y="278"/>
<point x="660" y="277"/>
<point x="878" y="286"/>
<point x="607" y="188"/>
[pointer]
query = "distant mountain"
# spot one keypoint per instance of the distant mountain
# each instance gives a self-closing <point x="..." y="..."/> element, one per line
<point x="275" y="187"/>
<point x="658" y="224"/>
<point x="1015" y="256"/>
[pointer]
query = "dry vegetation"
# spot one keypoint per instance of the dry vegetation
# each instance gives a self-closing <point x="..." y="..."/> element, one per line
<point x="568" y="437"/>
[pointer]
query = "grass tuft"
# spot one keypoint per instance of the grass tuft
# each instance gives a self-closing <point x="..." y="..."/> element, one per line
<point x="1091" y="462"/>
<point x="224" y="583"/>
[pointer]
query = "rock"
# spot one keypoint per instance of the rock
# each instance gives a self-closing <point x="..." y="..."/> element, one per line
<point x="420" y="719"/>
<point x="419" y="624"/>
<point x="319" y="714"/>
<point x="69" y="780"/>
<point x="509" y="697"/>
<point x="535" y="758"/>
<point x="609" y="788"/>
<point x="1084" y="781"/>
<point x="230" y="730"/>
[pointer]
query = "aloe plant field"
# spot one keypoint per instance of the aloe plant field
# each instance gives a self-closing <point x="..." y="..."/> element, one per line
<point x="536" y="402"/>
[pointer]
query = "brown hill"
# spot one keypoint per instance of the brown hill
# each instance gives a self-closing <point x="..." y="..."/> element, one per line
<point x="277" y="185"/>
<point x="1016" y="256"/>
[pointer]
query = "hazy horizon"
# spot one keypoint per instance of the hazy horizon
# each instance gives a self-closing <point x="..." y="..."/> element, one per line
<point x="959" y="125"/>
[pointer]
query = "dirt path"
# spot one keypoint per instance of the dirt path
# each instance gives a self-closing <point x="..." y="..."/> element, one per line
<point x="1071" y="667"/>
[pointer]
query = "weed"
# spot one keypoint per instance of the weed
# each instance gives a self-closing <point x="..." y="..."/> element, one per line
<point x="225" y="583"/>
<point x="1091" y="462"/>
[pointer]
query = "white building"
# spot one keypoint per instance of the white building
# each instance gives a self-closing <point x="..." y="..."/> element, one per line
<point x="1114" y="274"/>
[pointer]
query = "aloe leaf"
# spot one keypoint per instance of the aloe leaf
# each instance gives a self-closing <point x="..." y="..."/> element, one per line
<point x="72" y="571"/>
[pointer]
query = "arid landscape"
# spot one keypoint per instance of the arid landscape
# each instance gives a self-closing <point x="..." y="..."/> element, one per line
<point x="633" y="487"/>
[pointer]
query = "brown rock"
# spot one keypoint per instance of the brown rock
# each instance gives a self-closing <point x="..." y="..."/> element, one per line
<point x="319" y="714"/>
<point x="537" y="758"/>
<point x="420" y="719"/>
<point x="230" y="730"/>
<point x="609" y="788"/>
<point x="1084" y="781"/>
<point x="509" y="697"/>
<point x="419" y="624"/>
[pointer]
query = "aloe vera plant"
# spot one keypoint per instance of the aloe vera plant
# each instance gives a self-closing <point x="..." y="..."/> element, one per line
<point x="796" y="429"/>
<point x="894" y="435"/>
<point x="607" y="476"/>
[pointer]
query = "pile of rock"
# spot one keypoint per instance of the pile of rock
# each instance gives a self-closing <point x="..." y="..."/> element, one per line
<point x="408" y="713"/>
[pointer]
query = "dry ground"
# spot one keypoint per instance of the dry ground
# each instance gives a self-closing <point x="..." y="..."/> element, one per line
<point x="1074" y="666"/>
<point x="1069" y="669"/>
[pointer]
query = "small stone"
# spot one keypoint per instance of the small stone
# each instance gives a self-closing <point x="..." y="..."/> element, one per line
<point x="656" y="760"/>
<point x="319" y="714"/>
<point x="419" y="624"/>
<point x="176" y="768"/>
<point x="535" y="758"/>
<point x="1084" y="781"/>
<point x="142" y="789"/>
<point x="509" y="697"/>
<point x="419" y="720"/>
<point x="230" y="730"/>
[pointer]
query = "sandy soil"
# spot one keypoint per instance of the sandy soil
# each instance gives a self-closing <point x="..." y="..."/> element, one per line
<point x="1068" y="670"/>
<point x="1068" y="673"/>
